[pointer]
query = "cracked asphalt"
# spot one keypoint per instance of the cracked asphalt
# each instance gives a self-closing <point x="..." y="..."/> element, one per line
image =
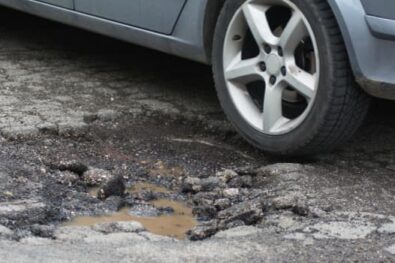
<point x="71" y="95"/>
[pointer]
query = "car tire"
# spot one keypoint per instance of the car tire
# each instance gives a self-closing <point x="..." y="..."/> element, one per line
<point x="332" y="113"/>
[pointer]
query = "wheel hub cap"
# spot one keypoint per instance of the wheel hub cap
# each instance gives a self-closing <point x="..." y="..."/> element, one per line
<point x="274" y="64"/>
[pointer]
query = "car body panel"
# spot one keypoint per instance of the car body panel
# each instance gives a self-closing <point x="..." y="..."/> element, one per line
<point x="380" y="8"/>
<point x="156" y="15"/>
<point x="186" y="40"/>
<point x="185" y="28"/>
<point x="63" y="3"/>
<point x="372" y="56"/>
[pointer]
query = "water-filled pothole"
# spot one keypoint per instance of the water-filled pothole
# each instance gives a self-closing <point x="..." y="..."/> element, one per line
<point x="175" y="224"/>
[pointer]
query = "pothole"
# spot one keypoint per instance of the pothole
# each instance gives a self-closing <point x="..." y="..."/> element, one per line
<point x="174" y="223"/>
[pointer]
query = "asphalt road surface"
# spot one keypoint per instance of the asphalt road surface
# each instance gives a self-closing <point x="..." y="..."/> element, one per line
<point x="72" y="101"/>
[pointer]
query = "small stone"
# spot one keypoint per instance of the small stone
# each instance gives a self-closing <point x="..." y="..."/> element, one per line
<point x="226" y="175"/>
<point x="48" y="128"/>
<point x="301" y="209"/>
<point x="90" y="117"/>
<point x="287" y="222"/>
<point x="317" y="212"/>
<point x="94" y="177"/>
<point x="231" y="192"/>
<point x="166" y="210"/>
<point x="204" y="198"/>
<point x="210" y="183"/>
<point x="191" y="185"/>
<point x="115" y="186"/>
<point x="205" y="213"/>
<point x="145" y="195"/>
<point x="241" y="181"/>
<point x="114" y="227"/>
<point x="246" y="170"/>
<point x="67" y="177"/>
<point x="113" y="203"/>
<point x="8" y="194"/>
<point x="43" y="230"/>
<point x="222" y="203"/>
<point x="203" y="231"/>
<point x="144" y="210"/>
<point x="129" y="201"/>
<point x="287" y="201"/>
<point x="72" y="166"/>
<point x="249" y="212"/>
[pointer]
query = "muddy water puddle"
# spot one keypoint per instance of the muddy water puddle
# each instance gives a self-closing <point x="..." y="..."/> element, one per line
<point x="174" y="225"/>
<point x="147" y="187"/>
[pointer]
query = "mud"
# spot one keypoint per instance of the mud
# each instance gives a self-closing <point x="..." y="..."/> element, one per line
<point x="174" y="225"/>
<point x="176" y="222"/>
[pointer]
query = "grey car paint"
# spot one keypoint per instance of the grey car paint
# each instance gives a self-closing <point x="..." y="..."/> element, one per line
<point x="380" y="8"/>
<point x="63" y="3"/>
<point x="368" y="34"/>
<point x="186" y="40"/>
<point x="372" y="54"/>
<point x="156" y="15"/>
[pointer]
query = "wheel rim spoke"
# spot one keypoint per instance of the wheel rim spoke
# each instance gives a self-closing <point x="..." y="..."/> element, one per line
<point x="255" y="16"/>
<point x="243" y="71"/>
<point x="293" y="33"/>
<point x="246" y="106"/>
<point x="303" y="82"/>
<point x="282" y="61"/>
<point x="272" y="108"/>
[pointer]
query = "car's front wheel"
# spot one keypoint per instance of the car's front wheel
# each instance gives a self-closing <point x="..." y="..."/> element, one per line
<point x="283" y="76"/>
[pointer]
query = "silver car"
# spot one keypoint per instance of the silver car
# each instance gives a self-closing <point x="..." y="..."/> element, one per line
<point x="293" y="76"/>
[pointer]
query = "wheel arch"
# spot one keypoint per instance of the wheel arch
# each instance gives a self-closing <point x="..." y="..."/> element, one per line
<point x="212" y="11"/>
<point x="340" y="11"/>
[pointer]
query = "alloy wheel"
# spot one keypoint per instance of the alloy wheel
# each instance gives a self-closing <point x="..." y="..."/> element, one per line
<point x="271" y="65"/>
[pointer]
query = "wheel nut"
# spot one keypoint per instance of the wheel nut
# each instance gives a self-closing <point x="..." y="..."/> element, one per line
<point x="280" y="51"/>
<point x="273" y="80"/>
<point x="262" y="66"/>
<point x="283" y="71"/>
<point x="267" y="48"/>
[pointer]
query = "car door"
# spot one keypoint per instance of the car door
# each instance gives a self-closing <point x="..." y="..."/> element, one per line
<point x="62" y="3"/>
<point x="155" y="15"/>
